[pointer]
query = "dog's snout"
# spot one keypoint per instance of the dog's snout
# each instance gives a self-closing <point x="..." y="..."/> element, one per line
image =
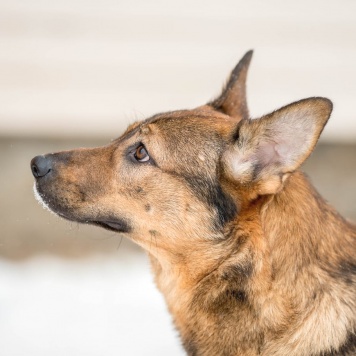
<point x="41" y="166"/>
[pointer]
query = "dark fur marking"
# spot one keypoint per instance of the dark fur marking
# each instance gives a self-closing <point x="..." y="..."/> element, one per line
<point x="256" y="170"/>
<point x="136" y="192"/>
<point x="190" y="347"/>
<point x="238" y="272"/>
<point x="154" y="233"/>
<point x="222" y="304"/>
<point x="236" y="134"/>
<point x="214" y="196"/>
<point x="346" y="271"/>
<point x="147" y="207"/>
<point x="225" y="206"/>
<point x="238" y="295"/>
<point x="347" y="349"/>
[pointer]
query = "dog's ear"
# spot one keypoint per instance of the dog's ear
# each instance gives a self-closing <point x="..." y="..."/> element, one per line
<point x="232" y="100"/>
<point x="266" y="150"/>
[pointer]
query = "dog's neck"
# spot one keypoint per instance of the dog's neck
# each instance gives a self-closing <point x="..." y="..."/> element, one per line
<point x="249" y="280"/>
<point x="300" y="219"/>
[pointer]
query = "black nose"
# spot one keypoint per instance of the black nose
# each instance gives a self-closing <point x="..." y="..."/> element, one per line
<point x="41" y="166"/>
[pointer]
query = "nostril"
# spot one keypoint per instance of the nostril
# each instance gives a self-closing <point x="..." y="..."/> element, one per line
<point x="41" y="166"/>
<point x="35" y="170"/>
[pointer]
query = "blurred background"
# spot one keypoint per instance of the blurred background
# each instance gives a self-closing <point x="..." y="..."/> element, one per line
<point x="76" y="73"/>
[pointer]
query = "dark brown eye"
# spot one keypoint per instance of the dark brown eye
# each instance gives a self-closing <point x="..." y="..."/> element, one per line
<point x="141" y="154"/>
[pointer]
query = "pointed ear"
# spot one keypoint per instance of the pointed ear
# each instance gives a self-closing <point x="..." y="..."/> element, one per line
<point x="266" y="150"/>
<point x="232" y="100"/>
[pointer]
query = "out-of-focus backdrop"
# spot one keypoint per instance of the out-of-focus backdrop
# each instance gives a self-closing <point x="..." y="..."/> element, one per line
<point x="76" y="73"/>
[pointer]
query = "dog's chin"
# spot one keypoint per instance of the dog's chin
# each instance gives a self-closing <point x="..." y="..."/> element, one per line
<point x="41" y="200"/>
<point x="48" y="203"/>
<point x="112" y="224"/>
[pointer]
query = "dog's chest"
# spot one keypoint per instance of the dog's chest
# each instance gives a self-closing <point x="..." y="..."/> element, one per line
<point x="209" y="323"/>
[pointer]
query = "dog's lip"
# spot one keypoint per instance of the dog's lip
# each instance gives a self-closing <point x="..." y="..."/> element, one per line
<point x="113" y="225"/>
<point x="116" y="225"/>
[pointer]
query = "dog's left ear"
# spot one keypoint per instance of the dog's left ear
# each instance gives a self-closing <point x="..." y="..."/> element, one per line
<point x="232" y="100"/>
<point x="266" y="150"/>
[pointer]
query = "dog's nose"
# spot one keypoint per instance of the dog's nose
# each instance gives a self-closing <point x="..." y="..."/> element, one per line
<point x="41" y="166"/>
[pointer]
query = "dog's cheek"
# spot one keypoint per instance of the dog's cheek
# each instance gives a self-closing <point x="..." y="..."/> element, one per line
<point x="162" y="208"/>
<point x="181" y="222"/>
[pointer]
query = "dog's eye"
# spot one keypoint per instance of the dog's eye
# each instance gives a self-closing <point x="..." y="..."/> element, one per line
<point x="141" y="154"/>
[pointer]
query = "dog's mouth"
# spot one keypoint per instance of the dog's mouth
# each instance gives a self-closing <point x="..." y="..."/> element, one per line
<point x="116" y="226"/>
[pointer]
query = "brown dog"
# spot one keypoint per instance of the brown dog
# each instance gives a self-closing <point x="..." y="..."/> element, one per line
<point x="250" y="258"/>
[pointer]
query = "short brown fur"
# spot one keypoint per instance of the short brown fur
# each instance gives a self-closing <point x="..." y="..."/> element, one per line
<point x="249" y="257"/>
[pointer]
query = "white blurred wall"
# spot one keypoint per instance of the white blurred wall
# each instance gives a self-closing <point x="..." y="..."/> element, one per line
<point x="88" y="68"/>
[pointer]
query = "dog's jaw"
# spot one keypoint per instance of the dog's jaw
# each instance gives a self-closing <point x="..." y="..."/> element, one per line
<point x="41" y="201"/>
<point x="116" y="225"/>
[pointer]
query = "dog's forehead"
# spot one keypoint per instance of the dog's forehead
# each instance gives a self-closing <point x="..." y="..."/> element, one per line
<point x="198" y="124"/>
<point x="182" y="138"/>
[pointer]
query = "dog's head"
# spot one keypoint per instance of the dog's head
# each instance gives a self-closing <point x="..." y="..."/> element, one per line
<point x="182" y="176"/>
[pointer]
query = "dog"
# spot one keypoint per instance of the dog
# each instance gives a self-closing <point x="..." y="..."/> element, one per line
<point x="250" y="258"/>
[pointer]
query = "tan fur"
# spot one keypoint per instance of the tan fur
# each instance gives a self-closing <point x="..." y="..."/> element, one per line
<point x="250" y="259"/>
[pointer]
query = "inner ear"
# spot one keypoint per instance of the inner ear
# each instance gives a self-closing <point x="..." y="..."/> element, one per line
<point x="277" y="144"/>
<point x="232" y="100"/>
